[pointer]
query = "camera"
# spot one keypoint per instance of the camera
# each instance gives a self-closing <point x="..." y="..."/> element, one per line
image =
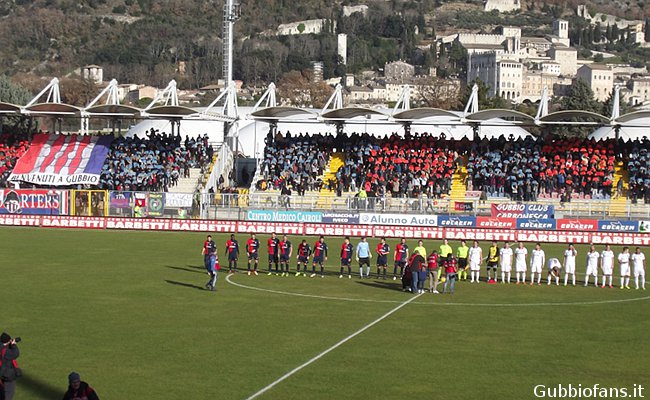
<point x="17" y="339"/>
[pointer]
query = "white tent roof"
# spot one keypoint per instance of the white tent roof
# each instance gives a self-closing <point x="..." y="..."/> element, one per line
<point x="191" y="128"/>
<point x="626" y="133"/>
<point x="495" y="128"/>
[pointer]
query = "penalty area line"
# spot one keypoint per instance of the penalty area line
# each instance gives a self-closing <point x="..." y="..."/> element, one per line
<point x="322" y="354"/>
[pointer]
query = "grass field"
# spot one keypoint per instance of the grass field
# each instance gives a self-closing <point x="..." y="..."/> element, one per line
<point x="128" y="311"/>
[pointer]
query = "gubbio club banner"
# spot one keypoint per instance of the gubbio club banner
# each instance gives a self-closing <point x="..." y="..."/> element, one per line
<point x="63" y="160"/>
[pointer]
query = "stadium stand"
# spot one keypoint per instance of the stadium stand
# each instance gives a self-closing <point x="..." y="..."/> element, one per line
<point x="638" y="166"/>
<point x="154" y="163"/>
<point x="297" y="162"/>
<point x="12" y="147"/>
<point x="529" y="169"/>
<point x="405" y="167"/>
<point x="525" y="170"/>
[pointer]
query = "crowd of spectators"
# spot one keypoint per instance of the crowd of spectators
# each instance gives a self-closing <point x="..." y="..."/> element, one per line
<point x="411" y="166"/>
<point x="154" y="163"/>
<point x="422" y="165"/>
<point x="532" y="168"/>
<point x="295" y="161"/>
<point x="638" y="166"/>
<point x="12" y="146"/>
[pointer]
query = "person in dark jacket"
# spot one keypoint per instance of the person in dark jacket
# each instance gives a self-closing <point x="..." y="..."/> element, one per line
<point x="8" y="366"/>
<point x="78" y="390"/>
<point x="416" y="264"/>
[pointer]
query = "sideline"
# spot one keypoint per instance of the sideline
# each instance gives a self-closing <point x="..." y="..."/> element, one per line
<point x="298" y="368"/>
<point x="544" y="304"/>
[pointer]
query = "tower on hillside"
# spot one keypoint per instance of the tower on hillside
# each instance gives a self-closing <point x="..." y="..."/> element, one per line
<point x="342" y="47"/>
<point x="561" y="28"/>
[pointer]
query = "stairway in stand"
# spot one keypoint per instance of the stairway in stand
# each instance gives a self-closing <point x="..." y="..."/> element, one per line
<point x="619" y="203"/>
<point x="459" y="184"/>
<point x="187" y="185"/>
<point x="326" y="197"/>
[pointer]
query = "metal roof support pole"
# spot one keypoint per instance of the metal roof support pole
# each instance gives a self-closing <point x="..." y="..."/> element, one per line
<point x="472" y="102"/>
<point x="542" y="110"/>
<point x="335" y="100"/>
<point x="268" y="98"/>
<point x="168" y="94"/>
<point x="616" y="104"/>
<point x="404" y="100"/>
<point x="53" y="93"/>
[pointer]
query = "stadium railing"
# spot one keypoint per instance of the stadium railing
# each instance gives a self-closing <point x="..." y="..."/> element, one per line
<point x="236" y="205"/>
<point x="314" y="202"/>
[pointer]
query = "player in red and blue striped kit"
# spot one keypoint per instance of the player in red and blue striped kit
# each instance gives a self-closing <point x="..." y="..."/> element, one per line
<point x="320" y="256"/>
<point x="285" y="255"/>
<point x="274" y="252"/>
<point x="383" y="249"/>
<point x="252" y="250"/>
<point x="401" y="256"/>
<point x="232" y="251"/>
<point x="346" y="257"/>
<point x="304" y="251"/>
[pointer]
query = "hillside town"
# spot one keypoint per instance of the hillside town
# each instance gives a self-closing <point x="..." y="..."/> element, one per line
<point x="513" y="67"/>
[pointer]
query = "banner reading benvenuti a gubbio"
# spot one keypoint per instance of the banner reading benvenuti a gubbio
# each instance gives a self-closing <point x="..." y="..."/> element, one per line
<point x="63" y="160"/>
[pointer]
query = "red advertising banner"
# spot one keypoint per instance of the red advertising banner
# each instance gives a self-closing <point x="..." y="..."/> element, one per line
<point x="20" y="220"/>
<point x="338" y="230"/>
<point x="73" y="222"/>
<point x="552" y="237"/>
<point x="269" y="227"/>
<point x="580" y="225"/>
<point x="619" y="238"/>
<point x="146" y="224"/>
<point x="499" y="235"/>
<point x="463" y="206"/>
<point x="409" y="232"/>
<point x="497" y="223"/>
<point x="197" y="225"/>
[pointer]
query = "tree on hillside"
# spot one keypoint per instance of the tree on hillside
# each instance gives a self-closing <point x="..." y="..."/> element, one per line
<point x="608" y="104"/>
<point x="580" y="97"/>
<point x="13" y="93"/>
<point x="647" y="30"/>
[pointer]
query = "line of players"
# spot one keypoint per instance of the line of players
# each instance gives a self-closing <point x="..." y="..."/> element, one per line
<point x="467" y="258"/>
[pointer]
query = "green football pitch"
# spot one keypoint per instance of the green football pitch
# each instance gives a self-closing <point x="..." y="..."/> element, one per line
<point x="128" y="311"/>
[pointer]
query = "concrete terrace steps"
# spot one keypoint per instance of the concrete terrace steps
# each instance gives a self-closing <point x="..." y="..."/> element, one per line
<point x="618" y="205"/>
<point x="336" y="161"/>
<point x="459" y="183"/>
<point x="187" y="185"/>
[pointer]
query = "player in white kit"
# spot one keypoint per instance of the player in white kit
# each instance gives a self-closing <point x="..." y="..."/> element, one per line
<point x="624" y="263"/>
<point x="505" y="258"/>
<point x="607" y="265"/>
<point x="475" y="256"/>
<point x="554" y="270"/>
<point x="520" y="263"/>
<point x="570" y="264"/>
<point x="638" y="262"/>
<point x="537" y="261"/>
<point x="592" y="265"/>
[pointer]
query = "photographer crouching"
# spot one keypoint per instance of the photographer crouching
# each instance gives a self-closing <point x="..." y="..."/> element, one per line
<point x="9" y="370"/>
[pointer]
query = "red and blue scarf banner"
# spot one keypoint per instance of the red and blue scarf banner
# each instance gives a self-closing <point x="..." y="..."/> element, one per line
<point x="63" y="160"/>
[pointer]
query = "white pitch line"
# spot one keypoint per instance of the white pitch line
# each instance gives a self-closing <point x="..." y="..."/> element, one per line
<point x="298" y="368"/>
<point x="544" y="304"/>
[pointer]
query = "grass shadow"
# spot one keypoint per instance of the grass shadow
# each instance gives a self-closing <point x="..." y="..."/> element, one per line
<point x="201" y="267"/>
<point x="392" y="285"/>
<point x="187" y="285"/>
<point x="38" y="388"/>
<point x="194" y="269"/>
